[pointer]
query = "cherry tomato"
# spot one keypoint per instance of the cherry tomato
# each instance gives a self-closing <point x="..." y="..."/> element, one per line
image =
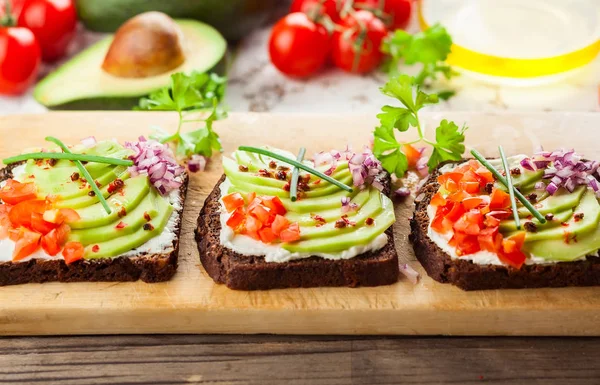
<point x="52" y="22"/>
<point x="395" y="13"/>
<point x="356" y="46"/>
<point x="298" y="46"/>
<point x="331" y="8"/>
<point x="20" y="58"/>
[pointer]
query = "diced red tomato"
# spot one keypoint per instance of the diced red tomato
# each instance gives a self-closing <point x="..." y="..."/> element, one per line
<point x="412" y="155"/>
<point x="40" y="225"/>
<point x="275" y="204"/>
<point x="4" y="227"/>
<point x="438" y="200"/>
<point x="252" y="224"/>
<point x="456" y="177"/>
<point x="499" y="199"/>
<point x="54" y="241"/>
<point x="261" y="213"/>
<point x="26" y="244"/>
<point x="14" y="192"/>
<point x="458" y="196"/>
<point x="489" y="239"/>
<point x="455" y="212"/>
<point x="237" y="218"/>
<point x="69" y="215"/>
<point x="233" y="201"/>
<point x="472" y="202"/>
<point x="266" y="235"/>
<point x="465" y="243"/>
<point x="485" y="175"/>
<point x="250" y="197"/>
<point x="20" y="214"/>
<point x="72" y="252"/>
<point x="58" y="216"/>
<point x="291" y="234"/>
<point x="279" y="224"/>
<point x="470" y="187"/>
<point x="491" y="221"/>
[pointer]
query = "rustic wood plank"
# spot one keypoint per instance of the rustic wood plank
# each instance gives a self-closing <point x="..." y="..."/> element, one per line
<point x="210" y="359"/>
<point x="192" y="303"/>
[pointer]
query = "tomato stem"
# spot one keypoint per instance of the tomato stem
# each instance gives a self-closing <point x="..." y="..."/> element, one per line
<point x="8" y="20"/>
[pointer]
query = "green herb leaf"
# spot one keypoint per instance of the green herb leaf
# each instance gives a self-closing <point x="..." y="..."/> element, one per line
<point x="449" y="143"/>
<point x="430" y="48"/>
<point x="192" y="92"/>
<point x="387" y="149"/>
<point x="186" y="94"/>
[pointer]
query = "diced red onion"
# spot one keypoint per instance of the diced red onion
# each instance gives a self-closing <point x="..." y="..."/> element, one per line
<point x="551" y="188"/>
<point x="402" y="192"/>
<point x="90" y="141"/>
<point x="410" y="273"/>
<point x="422" y="167"/>
<point x="322" y="158"/>
<point x="157" y="161"/>
<point x="197" y="163"/>
<point x="526" y="164"/>
<point x="565" y="168"/>
<point x="377" y="184"/>
<point x="540" y="186"/>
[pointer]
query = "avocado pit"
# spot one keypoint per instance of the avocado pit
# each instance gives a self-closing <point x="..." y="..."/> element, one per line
<point x="147" y="45"/>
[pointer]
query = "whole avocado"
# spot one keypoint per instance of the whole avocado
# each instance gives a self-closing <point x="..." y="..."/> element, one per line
<point x="233" y="18"/>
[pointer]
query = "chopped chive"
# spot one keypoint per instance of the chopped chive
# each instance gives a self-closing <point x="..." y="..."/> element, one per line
<point x="295" y="174"/>
<point x="502" y="180"/>
<point x="292" y="162"/>
<point x="68" y="156"/>
<point x="511" y="189"/>
<point x="85" y="173"/>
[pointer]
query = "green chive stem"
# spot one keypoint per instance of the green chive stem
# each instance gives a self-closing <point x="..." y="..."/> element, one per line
<point x="68" y="156"/>
<point x="83" y="171"/>
<point x="502" y="180"/>
<point x="511" y="189"/>
<point x="295" y="174"/>
<point x="292" y="162"/>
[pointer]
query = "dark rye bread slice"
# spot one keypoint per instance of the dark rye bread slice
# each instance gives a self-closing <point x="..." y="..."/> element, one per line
<point x="241" y="272"/>
<point x="470" y="276"/>
<point x="149" y="268"/>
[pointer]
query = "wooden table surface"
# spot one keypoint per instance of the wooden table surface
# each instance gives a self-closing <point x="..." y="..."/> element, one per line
<point x="262" y="359"/>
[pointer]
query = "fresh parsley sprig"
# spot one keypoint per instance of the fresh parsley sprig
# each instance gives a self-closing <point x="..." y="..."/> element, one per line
<point x="430" y="48"/>
<point x="449" y="138"/>
<point x="188" y="94"/>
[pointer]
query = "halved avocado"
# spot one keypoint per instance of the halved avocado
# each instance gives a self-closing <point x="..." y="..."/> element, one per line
<point x="82" y="84"/>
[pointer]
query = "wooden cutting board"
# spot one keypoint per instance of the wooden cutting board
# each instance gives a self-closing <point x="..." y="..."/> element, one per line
<point x="192" y="303"/>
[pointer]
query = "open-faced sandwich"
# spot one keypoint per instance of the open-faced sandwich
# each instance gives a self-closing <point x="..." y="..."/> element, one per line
<point x="518" y="223"/>
<point x="96" y="211"/>
<point x="275" y="220"/>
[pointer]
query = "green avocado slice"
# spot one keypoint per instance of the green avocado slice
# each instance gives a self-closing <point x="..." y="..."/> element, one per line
<point x="127" y="198"/>
<point x="84" y="200"/>
<point x="559" y="250"/>
<point x="81" y="83"/>
<point x="304" y="218"/>
<point x="509" y="225"/>
<point x="371" y="209"/>
<point x="560" y="201"/>
<point x="130" y="223"/>
<point x="339" y="243"/>
<point x="121" y="245"/>
<point x="573" y="227"/>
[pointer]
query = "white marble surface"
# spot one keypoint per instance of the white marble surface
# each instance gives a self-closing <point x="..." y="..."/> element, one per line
<point x="255" y="85"/>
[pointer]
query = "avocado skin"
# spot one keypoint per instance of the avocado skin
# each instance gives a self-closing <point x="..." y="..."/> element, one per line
<point x="125" y="103"/>
<point x="233" y="18"/>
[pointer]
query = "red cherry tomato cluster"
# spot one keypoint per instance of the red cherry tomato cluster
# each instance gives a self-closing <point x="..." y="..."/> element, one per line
<point x="32" y="31"/>
<point x="348" y="33"/>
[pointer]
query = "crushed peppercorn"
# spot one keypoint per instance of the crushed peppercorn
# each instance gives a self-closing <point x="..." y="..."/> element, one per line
<point x="489" y="187"/>
<point x="578" y="216"/>
<point x="515" y="171"/>
<point x="75" y="176"/>
<point x="549" y="216"/>
<point x="532" y="197"/>
<point x="530" y="227"/>
<point x="243" y="168"/>
<point x="147" y="217"/>
<point x="272" y="164"/>
<point x="115" y="185"/>
<point x="340" y="223"/>
<point x="148" y="227"/>
<point x="122" y="212"/>
<point x="92" y="193"/>
<point x="52" y="162"/>
<point x="281" y="175"/>
<point x="369" y="221"/>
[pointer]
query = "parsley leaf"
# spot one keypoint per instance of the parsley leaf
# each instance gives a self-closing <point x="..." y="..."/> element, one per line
<point x="449" y="139"/>
<point x="430" y="48"/>
<point x="449" y="143"/>
<point x="190" y="94"/>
